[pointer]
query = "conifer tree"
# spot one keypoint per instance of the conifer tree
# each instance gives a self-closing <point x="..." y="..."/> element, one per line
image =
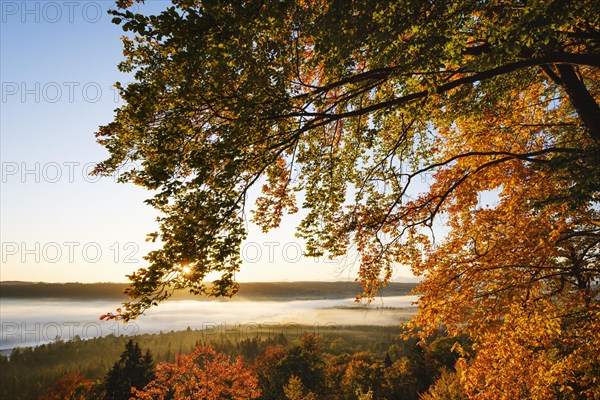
<point x="131" y="370"/>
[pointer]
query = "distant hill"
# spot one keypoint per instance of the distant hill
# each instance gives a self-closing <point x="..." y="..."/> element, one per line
<point x="248" y="290"/>
<point x="62" y="290"/>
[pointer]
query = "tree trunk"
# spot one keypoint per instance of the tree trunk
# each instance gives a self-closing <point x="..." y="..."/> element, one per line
<point x="581" y="99"/>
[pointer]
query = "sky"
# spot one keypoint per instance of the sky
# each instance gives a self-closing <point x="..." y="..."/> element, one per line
<point x="58" y="63"/>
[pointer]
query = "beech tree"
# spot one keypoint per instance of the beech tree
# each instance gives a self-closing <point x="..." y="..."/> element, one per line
<point x="70" y="387"/>
<point x="396" y="121"/>
<point x="203" y="374"/>
<point x="277" y="364"/>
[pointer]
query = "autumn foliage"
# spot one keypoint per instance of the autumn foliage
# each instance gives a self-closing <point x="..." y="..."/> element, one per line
<point x="70" y="387"/>
<point x="519" y="274"/>
<point x="458" y="138"/>
<point x="203" y="374"/>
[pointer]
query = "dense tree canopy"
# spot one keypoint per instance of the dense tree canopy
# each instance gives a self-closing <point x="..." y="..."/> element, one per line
<point x="394" y="122"/>
<point x="204" y="374"/>
<point x="70" y="387"/>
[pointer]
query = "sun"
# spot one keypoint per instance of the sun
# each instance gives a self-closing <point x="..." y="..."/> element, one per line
<point x="186" y="270"/>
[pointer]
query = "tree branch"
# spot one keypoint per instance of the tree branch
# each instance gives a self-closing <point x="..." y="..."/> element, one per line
<point x="583" y="102"/>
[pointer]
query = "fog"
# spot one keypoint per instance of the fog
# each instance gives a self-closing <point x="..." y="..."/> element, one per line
<point x="32" y="322"/>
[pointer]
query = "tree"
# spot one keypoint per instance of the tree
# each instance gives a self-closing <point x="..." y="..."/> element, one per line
<point x="70" y="387"/>
<point x="363" y="374"/>
<point x="294" y="390"/>
<point x="402" y="380"/>
<point x="388" y="361"/>
<point x="397" y="121"/>
<point x="276" y="365"/>
<point x="446" y="387"/>
<point x="203" y="374"/>
<point x="364" y="396"/>
<point x="132" y="370"/>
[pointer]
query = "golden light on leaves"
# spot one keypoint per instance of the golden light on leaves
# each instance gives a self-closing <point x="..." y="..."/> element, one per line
<point x="333" y="104"/>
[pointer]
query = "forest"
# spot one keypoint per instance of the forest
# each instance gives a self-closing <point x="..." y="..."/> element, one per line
<point x="457" y="139"/>
<point x="259" y="291"/>
<point x="272" y="363"/>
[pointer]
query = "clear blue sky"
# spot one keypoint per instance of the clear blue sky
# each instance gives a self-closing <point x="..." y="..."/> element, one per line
<point x="58" y="65"/>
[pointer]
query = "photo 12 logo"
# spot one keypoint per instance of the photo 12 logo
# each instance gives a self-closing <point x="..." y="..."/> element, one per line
<point x="58" y="92"/>
<point x="70" y="252"/>
<point x="56" y="172"/>
<point x="53" y="12"/>
<point x="44" y="332"/>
